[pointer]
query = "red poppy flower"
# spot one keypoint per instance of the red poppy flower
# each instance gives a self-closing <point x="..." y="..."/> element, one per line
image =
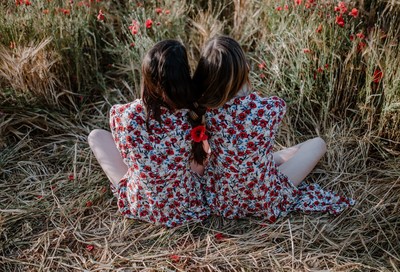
<point x="361" y="46"/>
<point x="158" y="10"/>
<point x="360" y="35"/>
<point x="378" y="75"/>
<point x="21" y="2"/>
<point x="306" y="50"/>
<point x="174" y="258"/>
<point x="89" y="204"/>
<point x="354" y="12"/>
<point x="261" y="65"/>
<point x="199" y="134"/>
<point x="298" y="2"/>
<point x="149" y="23"/>
<point x="90" y="247"/>
<point x="65" y="11"/>
<point x="71" y="177"/>
<point x="279" y="8"/>
<point x="219" y="236"/>
<point x="100" y="16"/>
<point x="340" y="21"/>
<point x="341" y="7"/>
<point x="319" y="29"/>
<point x="134" y="27"/>
<point x="167" y="11"/>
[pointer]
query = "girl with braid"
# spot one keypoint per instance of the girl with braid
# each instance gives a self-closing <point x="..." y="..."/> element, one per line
<point x="160" y="138"/>
<point x="243" y="176"/>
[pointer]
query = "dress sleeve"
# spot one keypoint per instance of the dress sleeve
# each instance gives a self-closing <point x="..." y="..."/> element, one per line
<point x="275" y="109"/>
<point x="118" y="130"/>
<point x="113" y="121"/>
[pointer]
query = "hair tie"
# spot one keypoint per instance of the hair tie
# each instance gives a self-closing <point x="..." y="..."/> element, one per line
<point x="199" y="134"/>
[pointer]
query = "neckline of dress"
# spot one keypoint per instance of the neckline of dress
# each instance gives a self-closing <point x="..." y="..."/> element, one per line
<point x="232" y="100"/>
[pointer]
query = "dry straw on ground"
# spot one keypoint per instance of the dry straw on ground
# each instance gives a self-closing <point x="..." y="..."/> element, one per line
<point x="48" y="219"/>
<point x="29" y="70"/>
<point x="56" y="209"/>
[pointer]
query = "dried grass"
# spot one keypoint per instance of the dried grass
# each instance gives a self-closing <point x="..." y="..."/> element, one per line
<point x="48" y="219"/>
<point x="52" y="233"/>
<point x="29" y="70"/>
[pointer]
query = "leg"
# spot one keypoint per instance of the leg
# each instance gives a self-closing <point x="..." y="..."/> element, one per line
<point x="303" y="160"/>
<point x="286" y="154"/>
<point x="103" y="147"/>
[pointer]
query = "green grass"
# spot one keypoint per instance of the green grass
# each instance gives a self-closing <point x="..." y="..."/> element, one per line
<point x="60" y="73"/>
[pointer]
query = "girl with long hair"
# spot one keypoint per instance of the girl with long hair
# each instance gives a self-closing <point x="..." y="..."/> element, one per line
<point x="243" y="176"/>
<point x="156" y="179"/>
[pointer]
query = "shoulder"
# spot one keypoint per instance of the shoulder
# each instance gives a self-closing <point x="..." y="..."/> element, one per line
<point x="256" y="101"/>
<point x="128" y="110"/>
<point x="120" y="109"/>
<point x="273" y="103"/>
<point x="124" y="114"/>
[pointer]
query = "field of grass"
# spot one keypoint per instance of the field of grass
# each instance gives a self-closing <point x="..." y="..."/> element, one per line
<point x="63" y="63"/>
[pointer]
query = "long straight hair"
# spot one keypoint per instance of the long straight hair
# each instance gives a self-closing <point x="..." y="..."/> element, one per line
<point x="220" y="74"/>
<point x="166" y="80"/>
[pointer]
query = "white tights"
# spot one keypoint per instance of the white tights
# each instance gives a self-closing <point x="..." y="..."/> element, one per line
<point x="298" y="161"/>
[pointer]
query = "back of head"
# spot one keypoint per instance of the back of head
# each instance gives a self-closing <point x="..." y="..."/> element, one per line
<point x="166" y="78"/>
<point x="221" y="72"/>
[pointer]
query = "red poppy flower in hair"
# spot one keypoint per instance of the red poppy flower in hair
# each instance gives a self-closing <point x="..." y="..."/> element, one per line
<point x="199" y="134"/>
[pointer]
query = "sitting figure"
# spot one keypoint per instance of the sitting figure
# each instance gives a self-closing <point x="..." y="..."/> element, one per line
<point x="154" y="180"/>
<point x="243" y="176"/>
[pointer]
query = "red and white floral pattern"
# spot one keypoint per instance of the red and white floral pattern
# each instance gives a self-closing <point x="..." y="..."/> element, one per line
<point x="241" y="178"/>
<point x="159" y="186"/>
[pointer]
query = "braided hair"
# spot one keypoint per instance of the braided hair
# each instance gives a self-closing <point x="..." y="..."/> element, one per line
<point x="166" y="82"/>
<point x="197" y="119"/>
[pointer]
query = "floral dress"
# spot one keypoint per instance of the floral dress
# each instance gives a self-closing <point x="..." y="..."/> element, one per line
<point x="159" y="186"/>
<point x="242" y="178"/>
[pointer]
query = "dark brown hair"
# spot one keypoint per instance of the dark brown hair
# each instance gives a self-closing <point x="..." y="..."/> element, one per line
<point x="220" y="74"/>
<point x="166" y="82"/>
<point x="166" y="78"/>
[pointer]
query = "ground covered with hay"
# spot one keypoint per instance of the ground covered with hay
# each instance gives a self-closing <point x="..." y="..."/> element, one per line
<point x="64" y="63"/>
